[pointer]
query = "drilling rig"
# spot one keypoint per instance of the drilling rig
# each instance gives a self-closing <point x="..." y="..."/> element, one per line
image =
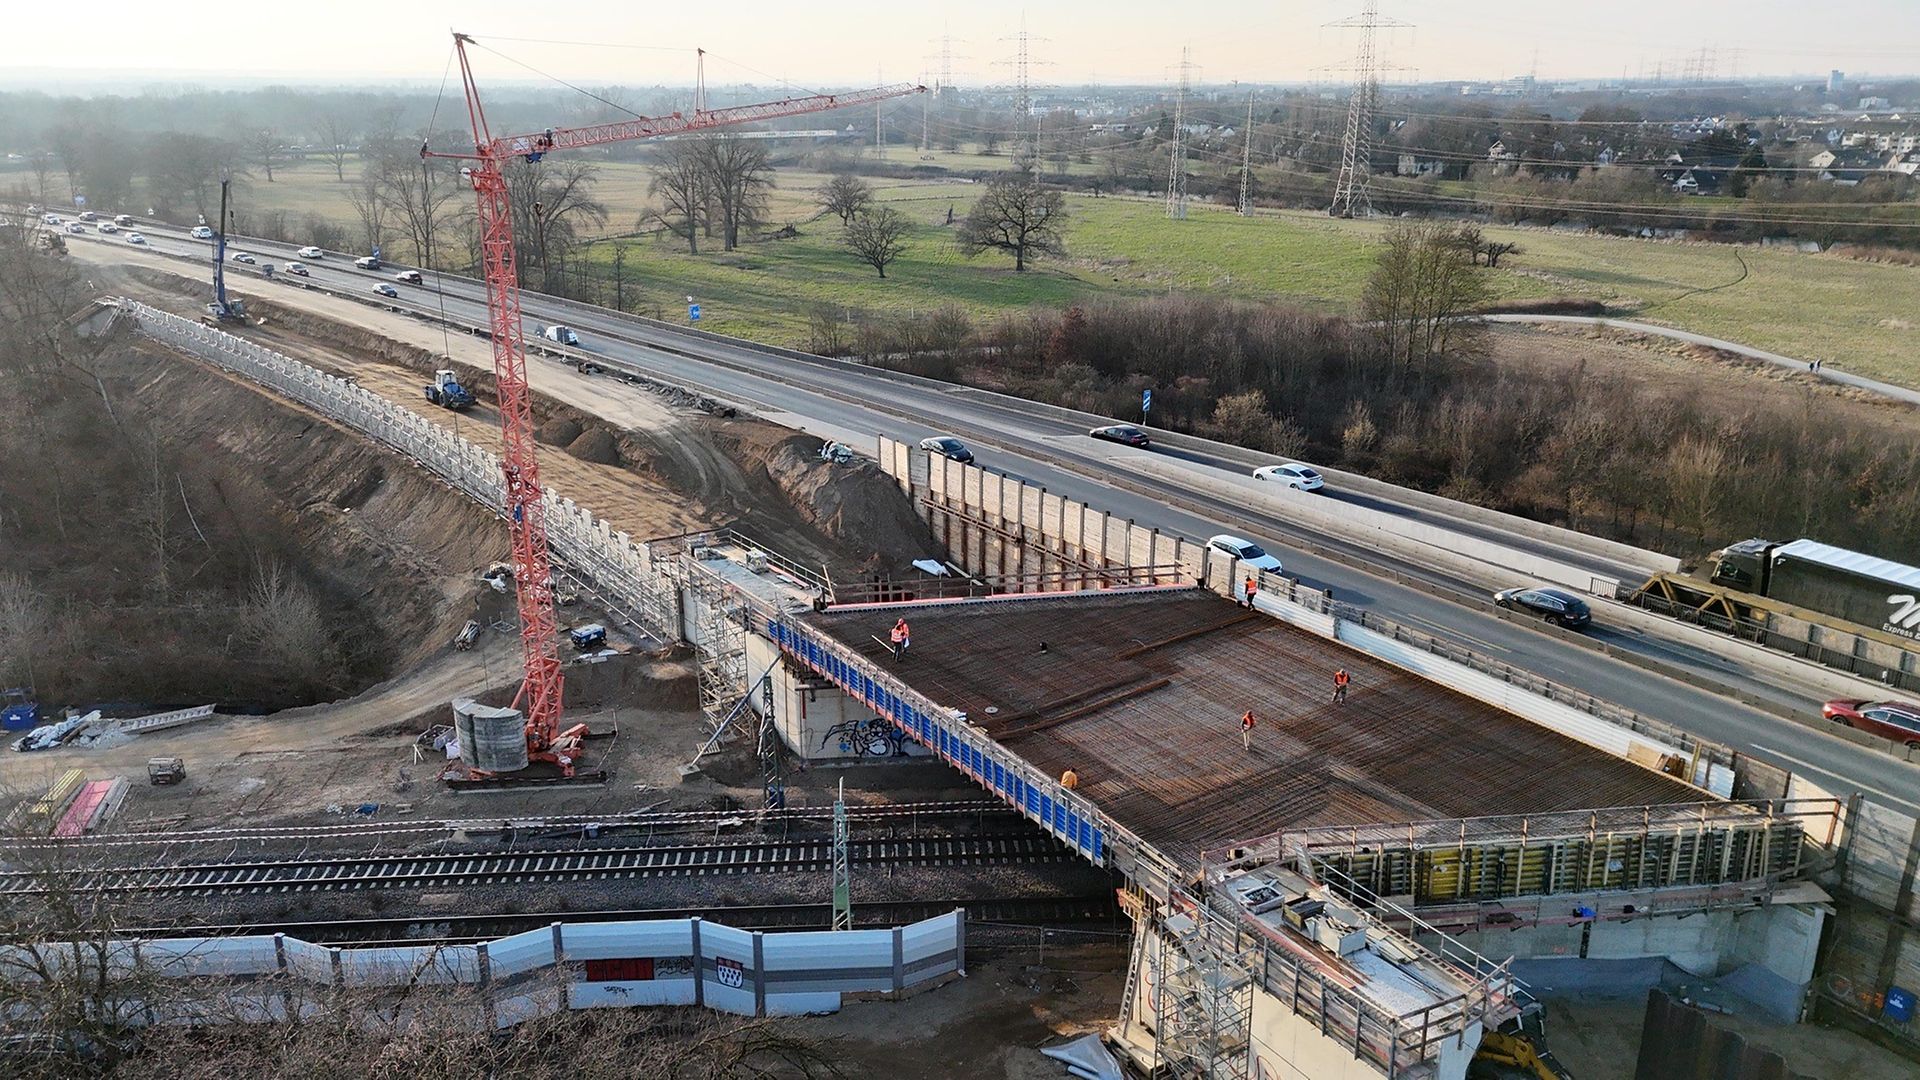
<point x="223" y="308"/>
<point x="540" y="701"/>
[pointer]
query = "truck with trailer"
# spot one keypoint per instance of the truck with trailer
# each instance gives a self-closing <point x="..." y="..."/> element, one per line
<point x="1752" y="586"/>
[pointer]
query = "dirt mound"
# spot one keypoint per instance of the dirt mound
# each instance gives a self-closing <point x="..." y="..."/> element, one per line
<point x="558" y="432"/>
<point x="856" y="504"/>
<point x="596" y="445"/>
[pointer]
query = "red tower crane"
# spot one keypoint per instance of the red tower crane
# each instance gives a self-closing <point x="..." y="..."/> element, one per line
<point x="541" y="695"/>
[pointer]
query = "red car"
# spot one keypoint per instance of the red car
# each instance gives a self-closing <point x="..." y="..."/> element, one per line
<point x="1896" y="720"/>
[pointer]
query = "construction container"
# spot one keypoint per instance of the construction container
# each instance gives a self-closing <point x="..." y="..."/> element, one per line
<point x="491" y="740"/>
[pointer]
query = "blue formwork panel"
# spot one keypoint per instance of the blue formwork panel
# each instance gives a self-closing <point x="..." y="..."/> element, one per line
<point x="1038" y="803"/>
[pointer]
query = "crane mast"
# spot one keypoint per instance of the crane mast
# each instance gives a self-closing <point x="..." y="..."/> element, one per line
<point x="541" y="695"/>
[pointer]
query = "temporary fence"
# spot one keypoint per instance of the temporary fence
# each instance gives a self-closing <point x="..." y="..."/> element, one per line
<point x="559" y="967"/>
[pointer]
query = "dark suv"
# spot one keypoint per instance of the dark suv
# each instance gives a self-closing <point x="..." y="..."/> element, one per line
<point x="1557" y="606"/>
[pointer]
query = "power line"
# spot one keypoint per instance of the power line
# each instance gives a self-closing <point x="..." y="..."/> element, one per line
<point x="1246" y="164"/>
<point x="1350" y="190"/>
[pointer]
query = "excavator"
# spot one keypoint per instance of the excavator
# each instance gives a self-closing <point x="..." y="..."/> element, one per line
<point x="1515" y="1055"/>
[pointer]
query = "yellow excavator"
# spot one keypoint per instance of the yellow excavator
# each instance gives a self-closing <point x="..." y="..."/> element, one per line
<point x="1511" y="1055"/>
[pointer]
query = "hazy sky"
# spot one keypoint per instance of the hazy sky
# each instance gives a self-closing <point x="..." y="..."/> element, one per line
<point x="841" y="43"/>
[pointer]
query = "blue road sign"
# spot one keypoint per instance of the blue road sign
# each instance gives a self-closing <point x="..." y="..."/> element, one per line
<point x="1146" y="400"/>
<point x="693" y="312"/>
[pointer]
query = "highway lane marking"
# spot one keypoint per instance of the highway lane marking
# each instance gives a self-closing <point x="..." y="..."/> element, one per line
<point x="1805" y="764"/>
<point x="1448" y="631"/>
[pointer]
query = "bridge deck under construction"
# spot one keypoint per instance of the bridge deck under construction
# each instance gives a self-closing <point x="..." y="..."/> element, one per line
<point x="1141" y="693"/>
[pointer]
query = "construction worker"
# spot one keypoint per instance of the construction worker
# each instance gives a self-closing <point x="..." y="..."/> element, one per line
<point x="1253" y="588"/>
<point x="1069" y="779"/>
<point x="1246" y="730"/>
<point x="1340" y="681"/>
<point x="900" y="639"/>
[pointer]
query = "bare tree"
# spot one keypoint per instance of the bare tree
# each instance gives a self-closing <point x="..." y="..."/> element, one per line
<point x="41" y="162"/>
<point x="1424" y="281"/>
<point x="877" y="237"/>
<point x="261" y="146"/>
<point x="25" y="618"/>
<point x="553" y="205"/>
<point x="845" y="196"/>
<point x="680" y="183"/>
<point x="739" y="176"/>
<point x="1017" y="214"/>
<point x="423" y="198"/>
<point x="337" y="135"/>
<point x="370" y="206"/>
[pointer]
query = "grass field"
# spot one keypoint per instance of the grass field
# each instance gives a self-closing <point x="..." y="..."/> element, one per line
<point x="1850" y="314"/>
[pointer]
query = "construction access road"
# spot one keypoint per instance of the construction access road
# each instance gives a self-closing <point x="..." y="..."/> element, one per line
<point x="851" y="403"/>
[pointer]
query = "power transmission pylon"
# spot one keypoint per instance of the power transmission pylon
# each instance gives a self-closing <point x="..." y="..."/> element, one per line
<point x="1026" y="129"/>
<point x="1177" y="159"/>
<point x="1246" y="165"/>
<point x="1352" y="195"/>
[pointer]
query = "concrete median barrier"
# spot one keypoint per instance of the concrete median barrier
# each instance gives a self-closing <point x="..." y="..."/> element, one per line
<point x="1468" y="557"/>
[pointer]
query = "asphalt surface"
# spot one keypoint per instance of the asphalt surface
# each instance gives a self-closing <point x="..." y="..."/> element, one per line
<point x="846" y="401"/>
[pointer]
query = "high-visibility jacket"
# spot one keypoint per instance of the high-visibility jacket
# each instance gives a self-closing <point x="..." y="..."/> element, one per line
<point x="1246" y="722"/>
<point x="1252" y="586"/>
<point x="1341" y="678"/>
<point x="1069" y="779"/>
<point x="899" y="633"/>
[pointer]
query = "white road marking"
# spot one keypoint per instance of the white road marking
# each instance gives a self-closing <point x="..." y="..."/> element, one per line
<point x="1803" y="763"/>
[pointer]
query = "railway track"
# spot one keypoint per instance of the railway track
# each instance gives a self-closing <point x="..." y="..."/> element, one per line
<point x="473" y="869"/>
<point x="559" y="827"/>
<point x="1092" y="910"/>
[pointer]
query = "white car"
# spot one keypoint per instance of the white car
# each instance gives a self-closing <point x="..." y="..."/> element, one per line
<point x="1246" y="551"/>
<point x="135" y="238"/>
<point x="109" y="227"/>
<point x="51" y="219"/>
<point x="367" y="262"/>
<point x="74" y="227"/>
<point x="242" y="257"/>
<point x="411" y="277"/>
<point x="202" y="232"/>
<point x="562" y="334"/>
<point x="88" y="215"/>
<point x="1293" y="474"/>
<point x="311" y="253"/>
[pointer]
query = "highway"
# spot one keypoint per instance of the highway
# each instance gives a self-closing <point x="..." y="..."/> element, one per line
<point x="847" y="401"/>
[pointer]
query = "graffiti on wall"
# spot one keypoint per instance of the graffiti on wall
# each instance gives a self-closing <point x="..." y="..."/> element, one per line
<point x="867" y="737"/>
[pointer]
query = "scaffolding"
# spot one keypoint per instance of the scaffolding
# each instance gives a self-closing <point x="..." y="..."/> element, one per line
<point x="1200" y="987"/>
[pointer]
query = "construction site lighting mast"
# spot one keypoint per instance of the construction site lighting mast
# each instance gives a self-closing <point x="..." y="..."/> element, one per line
<point x="541" y="697"/>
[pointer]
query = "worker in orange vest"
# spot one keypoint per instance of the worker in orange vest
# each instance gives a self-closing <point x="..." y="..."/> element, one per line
<point x="1246" y="729"/>
<point x="1253" y="587"/>
<point x="1069" y="779"/>
<point x="899" y="636"/>
<point x="1340" y="681"/>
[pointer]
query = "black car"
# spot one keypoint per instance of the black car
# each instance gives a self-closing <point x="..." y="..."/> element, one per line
<point x="1122" y="433"/>
<point x="1557" y="606"/>
<point x="947" y="447"/>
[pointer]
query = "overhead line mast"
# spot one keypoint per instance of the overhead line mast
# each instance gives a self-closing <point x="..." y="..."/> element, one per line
<point x="541" y="694"/>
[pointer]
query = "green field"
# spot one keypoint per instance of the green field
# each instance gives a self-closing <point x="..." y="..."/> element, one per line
<point x="1853" y="315"/>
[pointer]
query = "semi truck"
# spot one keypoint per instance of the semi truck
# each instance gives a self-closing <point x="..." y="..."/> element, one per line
<point x="1747" y="584"/>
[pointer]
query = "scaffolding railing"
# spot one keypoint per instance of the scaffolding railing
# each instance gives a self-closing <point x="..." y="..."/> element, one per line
<point x="958" y="587"/>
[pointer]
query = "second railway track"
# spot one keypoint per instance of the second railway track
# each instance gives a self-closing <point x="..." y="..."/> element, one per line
<point x="483" y="868"/>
